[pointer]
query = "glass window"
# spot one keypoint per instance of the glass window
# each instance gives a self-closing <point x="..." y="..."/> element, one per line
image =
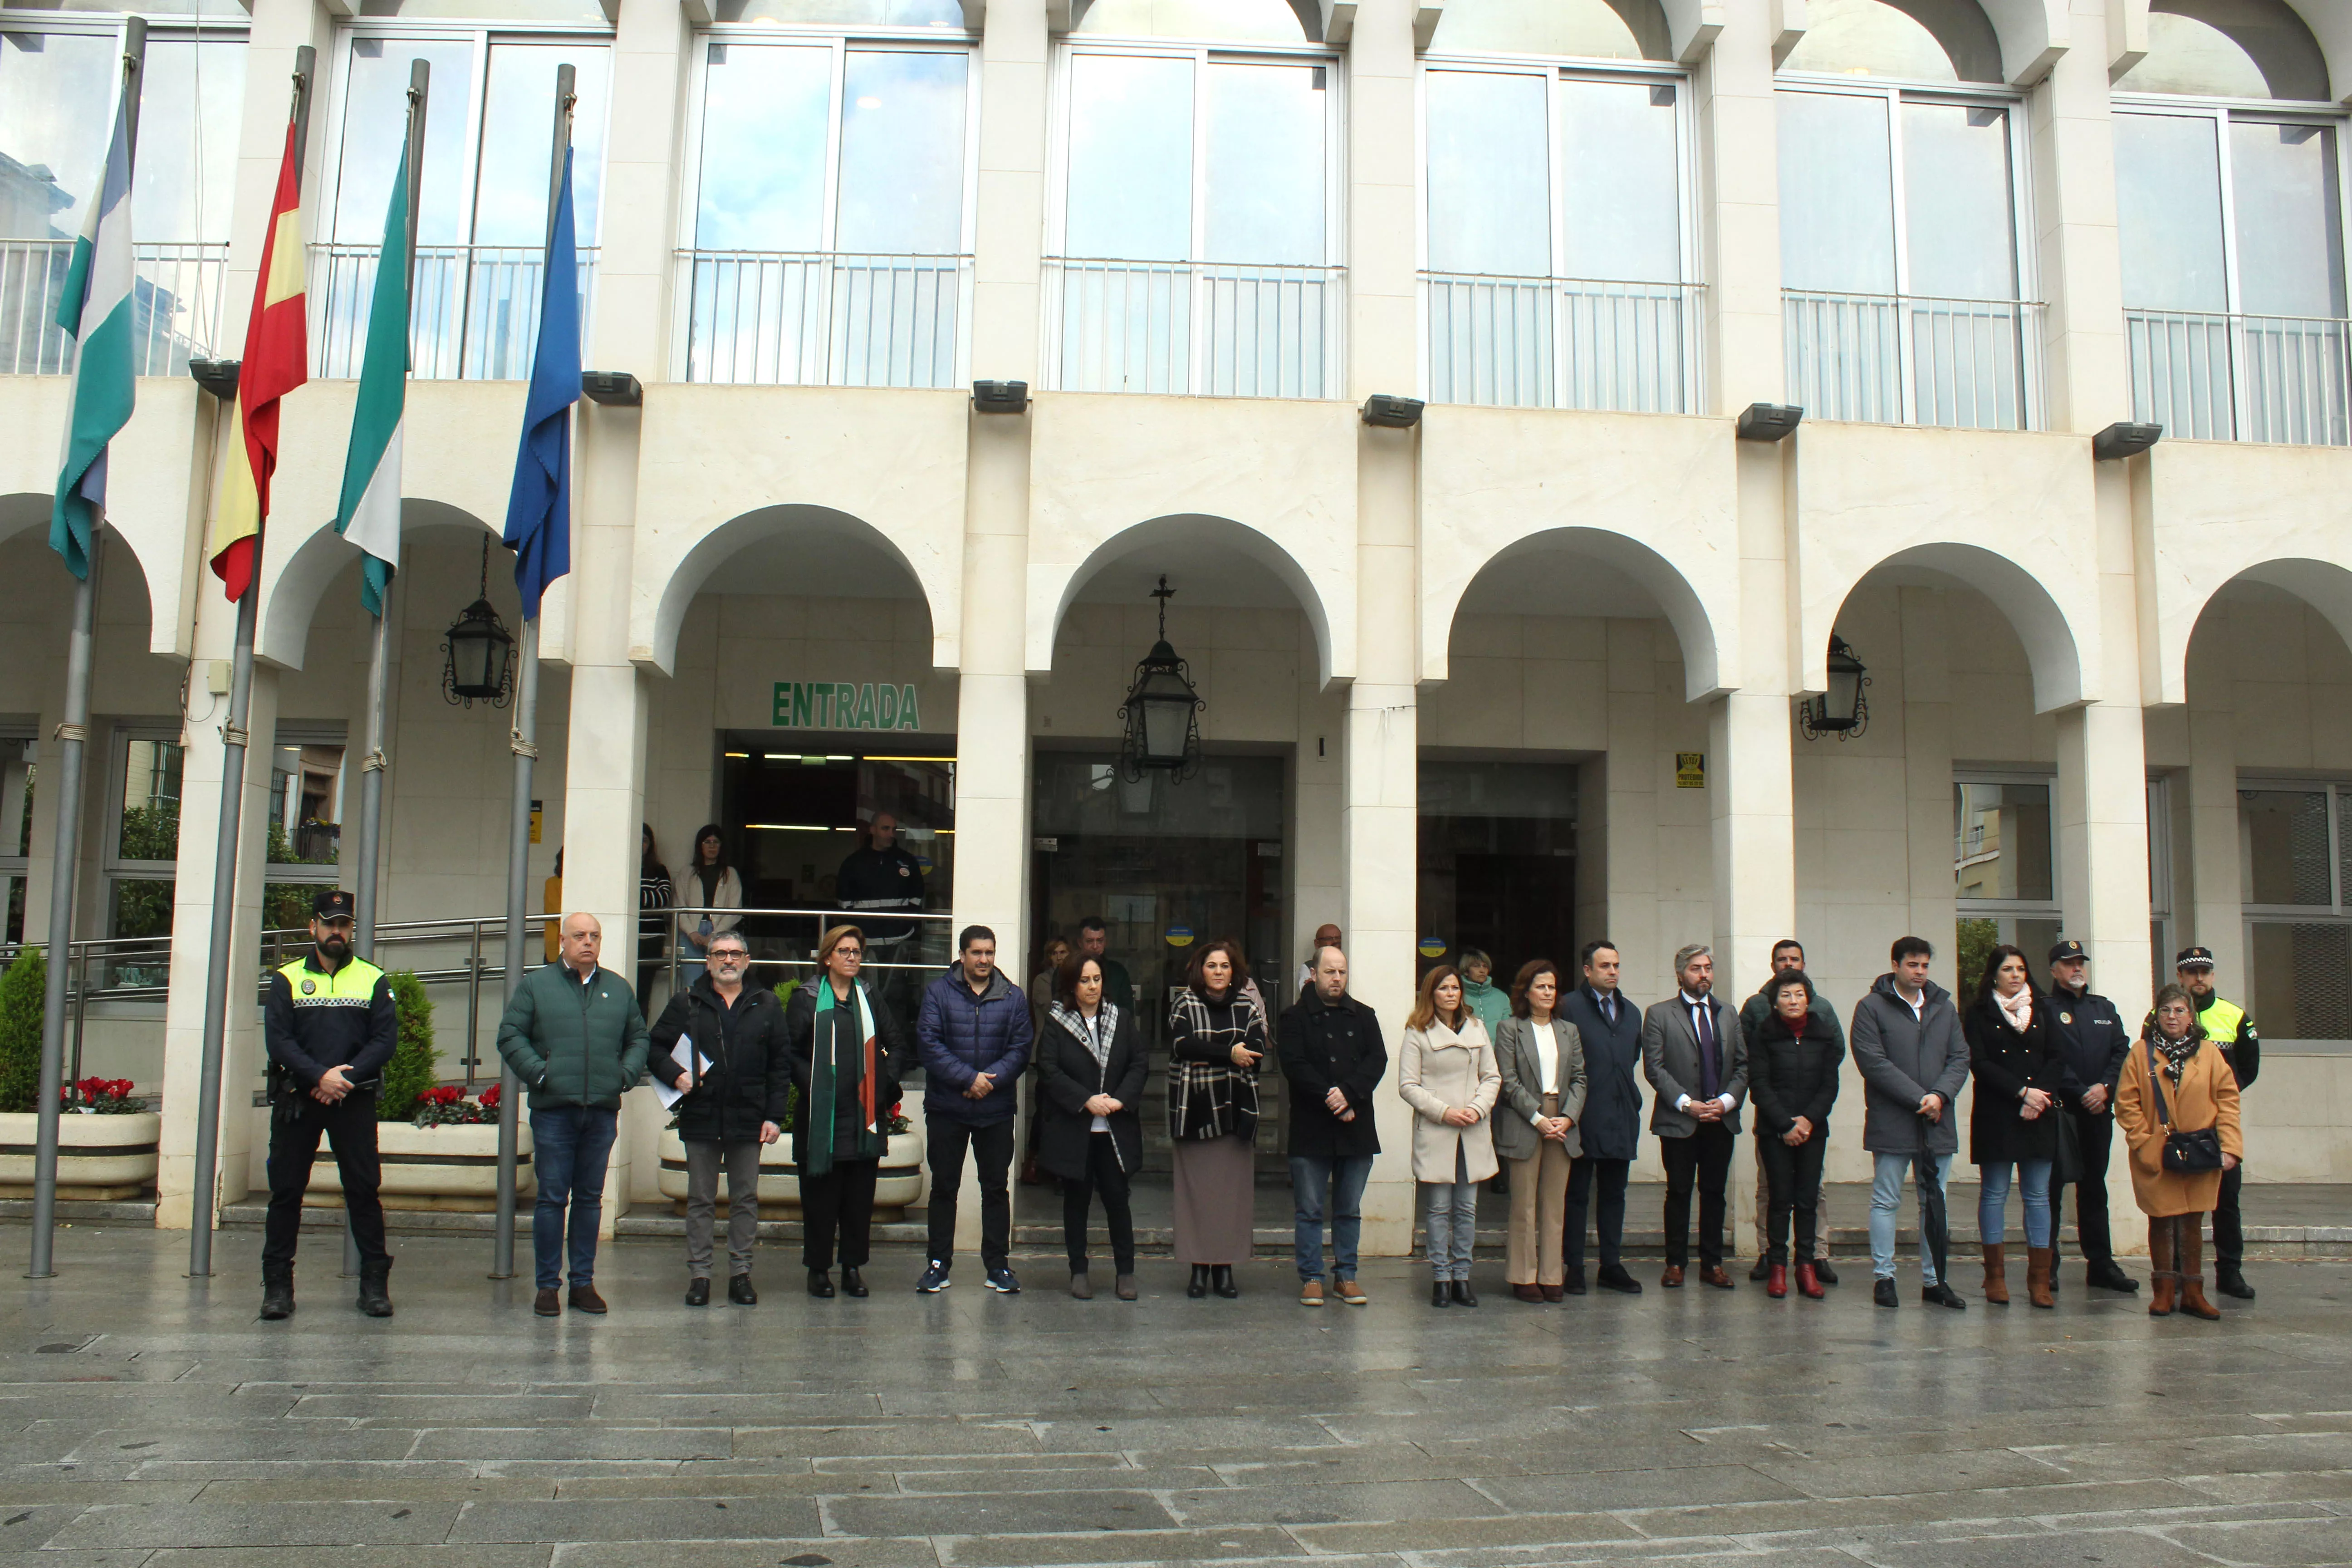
<point x="1489" y="173"/>
<point x="2295" y="854"/>
<point x="1580" y="29"/>
<point x="143" y="846"/>
<point x="56" y="92"/>
<point x="2287" y="204"/>
<point x="17" y="754"/>
<point x="2284" y="857"/>
<point x="2001" y="845"/>
<point x="2168" y="211"/>
<point x="2300" y="979"/>
<point x="1837" y="194"/>
<point x="1956" y="174"/>
<point x="190" y="107"/>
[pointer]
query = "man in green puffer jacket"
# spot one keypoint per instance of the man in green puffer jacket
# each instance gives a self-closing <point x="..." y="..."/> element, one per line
<point x="574" y="1034"/>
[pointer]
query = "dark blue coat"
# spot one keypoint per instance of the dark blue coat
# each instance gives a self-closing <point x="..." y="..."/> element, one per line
<point x="1613" y="1074"/>
<point x="959" y="1035"/>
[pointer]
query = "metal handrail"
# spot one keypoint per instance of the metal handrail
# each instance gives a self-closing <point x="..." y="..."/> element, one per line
<point x="1218" y="329"/>
<point x="1562" y="342"/>
<point x="823" y="318"/>
<point x="1912" y="359"/>
<point x="473" y="314"/>
<point x="2219" y="376"/>
<point x="176" y="306"/>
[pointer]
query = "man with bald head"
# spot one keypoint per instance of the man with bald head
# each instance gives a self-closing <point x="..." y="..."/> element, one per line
<point x="574" y="1037"/>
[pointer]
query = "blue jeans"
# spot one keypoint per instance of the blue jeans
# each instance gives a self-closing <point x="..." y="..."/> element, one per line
<point x="1886" y="1197"/>
<point x="1992" y="1202"/>
<point x="569" y="1145"/>
<point x="1344" y="1178"/>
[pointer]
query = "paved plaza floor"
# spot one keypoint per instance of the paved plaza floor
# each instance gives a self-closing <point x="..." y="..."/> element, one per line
<point x="154" y="1421"/>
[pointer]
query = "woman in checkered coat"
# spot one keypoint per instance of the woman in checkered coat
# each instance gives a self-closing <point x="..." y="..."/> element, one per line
<point x="1216" y="1037"/>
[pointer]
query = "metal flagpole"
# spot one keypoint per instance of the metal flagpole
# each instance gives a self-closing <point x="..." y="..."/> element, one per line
<point x="526" y="749"/>
<point x="219" y="985"/>
<point x="73" y="733"/>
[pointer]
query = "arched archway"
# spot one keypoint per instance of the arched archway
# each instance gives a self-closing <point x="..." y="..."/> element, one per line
<point x="294" y="585"/>
<point x="2053" y="636"/>
<point x="2012" y="41"/>
<point x="24" y="514"/>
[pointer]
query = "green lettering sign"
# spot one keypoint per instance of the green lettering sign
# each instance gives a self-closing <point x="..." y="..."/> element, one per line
<point x="844" y="705"/>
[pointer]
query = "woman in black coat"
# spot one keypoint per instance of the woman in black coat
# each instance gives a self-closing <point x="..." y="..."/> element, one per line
<point x="2018" y="1064"/>
<point x="1792" y="1081"/>
<point x="1090" y="1073"/>
<point x="847" y="1051"/>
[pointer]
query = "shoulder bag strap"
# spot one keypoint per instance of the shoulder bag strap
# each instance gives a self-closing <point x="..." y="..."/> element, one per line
<point x="2156" y="1086"/>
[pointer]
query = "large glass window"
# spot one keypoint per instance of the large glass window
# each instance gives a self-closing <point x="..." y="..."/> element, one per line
<point x="482" y="211"/>
<point x="2004" y="858"/>
<point x="17" y="758"/>
<point x="2295" y="861"/>
<point x="839" y="254"/>
<point x="58" y="82"/>
<point x="307" y="778"/>
<point x="1195" y="229"/>
<point x="1556" y="240"/>
<point x="1899" y="260"/>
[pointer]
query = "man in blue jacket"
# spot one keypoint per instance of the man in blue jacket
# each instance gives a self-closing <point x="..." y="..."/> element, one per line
<point x="1611" y="1027"/>
<point x="974" y="1038"/>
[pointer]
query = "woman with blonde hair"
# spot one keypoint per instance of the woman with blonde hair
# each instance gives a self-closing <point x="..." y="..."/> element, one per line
<point x="2178" y="1106"/>
<point x="845" y="1052"/>
<point x="1449" y="1078"/>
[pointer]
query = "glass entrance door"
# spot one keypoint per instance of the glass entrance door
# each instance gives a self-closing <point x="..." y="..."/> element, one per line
<point x="1498" y="863"/>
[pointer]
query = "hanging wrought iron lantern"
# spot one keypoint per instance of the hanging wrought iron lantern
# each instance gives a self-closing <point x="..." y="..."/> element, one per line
<point x="1843" y="710"/>
<point x="479" y="668"/>
<point x="1160" y="716"/>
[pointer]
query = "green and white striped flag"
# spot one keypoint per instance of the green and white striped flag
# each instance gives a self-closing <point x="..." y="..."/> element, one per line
<point x="97" y="309"/>
<point x="369" y="512"/>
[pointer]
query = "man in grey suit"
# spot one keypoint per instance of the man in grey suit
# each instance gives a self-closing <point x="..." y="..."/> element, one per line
<point x="1695" y="1059"/>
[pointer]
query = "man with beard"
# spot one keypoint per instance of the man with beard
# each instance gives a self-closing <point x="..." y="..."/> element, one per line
<point x="330" y="1026"/>
<point x="2231" y="1029"/>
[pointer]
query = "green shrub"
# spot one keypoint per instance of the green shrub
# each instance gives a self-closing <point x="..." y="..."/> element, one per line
<point x="22" y="994"/>
<point x="413" y="1067"/>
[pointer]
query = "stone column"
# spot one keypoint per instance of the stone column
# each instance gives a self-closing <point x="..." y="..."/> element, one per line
<point x="1739" y="232"/>
<point x="2087" y="383"/>
<point x="2216" y="914"/>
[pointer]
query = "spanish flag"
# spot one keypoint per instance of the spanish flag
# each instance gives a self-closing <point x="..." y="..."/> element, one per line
<point x="276" y="360"/>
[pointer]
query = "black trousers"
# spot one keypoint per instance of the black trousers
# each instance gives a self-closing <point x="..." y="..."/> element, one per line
<point x="839" y="1203"/>
<point x="992" y="1149"/>
<point x="1704" y="1158"/>
<point x="1611" y="1176"/>
<point x="1103" y="1175"/>
<point x="2094" y="1136"/>
<point x="2229" y="1224"/>
<point x="350" y="1125"/>
<point x="1795" y="1178"/>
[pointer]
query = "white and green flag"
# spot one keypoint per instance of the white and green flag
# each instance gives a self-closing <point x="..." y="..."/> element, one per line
<point x="369" y="513"/>
<point x="97" y="308"/>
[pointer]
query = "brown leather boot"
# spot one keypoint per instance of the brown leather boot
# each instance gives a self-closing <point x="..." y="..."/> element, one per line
<point x="2165" y="1281"/>
<point x="2039" y="1263"/>
<point x="2191" y="1264"/>
<point x="1996" y="1262"/>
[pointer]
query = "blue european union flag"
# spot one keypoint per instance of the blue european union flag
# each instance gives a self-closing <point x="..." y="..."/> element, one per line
<point x="539" y="512"/>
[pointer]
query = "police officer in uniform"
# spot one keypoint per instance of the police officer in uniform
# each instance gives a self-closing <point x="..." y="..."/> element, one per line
<point x="877" y="880"/>
<point x="2092" y="1045"/>
<point x="330" y="1025"/>
<point x="2228" y="1025"/>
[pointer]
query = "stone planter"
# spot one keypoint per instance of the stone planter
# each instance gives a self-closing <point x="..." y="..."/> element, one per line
<point x="106" y="1158"/>
<point x="448" y="1167"/>
<point x="900" y="1182"/>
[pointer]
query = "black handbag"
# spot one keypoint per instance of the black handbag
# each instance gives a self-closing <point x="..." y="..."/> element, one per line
<point x="2067" y="1170"/>
<point x="2185" y="1153"/>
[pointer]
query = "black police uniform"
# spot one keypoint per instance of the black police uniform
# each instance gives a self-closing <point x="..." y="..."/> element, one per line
<point x="2093" y="1045"/>
<point x="316" y="1019"/>
<point x="871" y="886"/>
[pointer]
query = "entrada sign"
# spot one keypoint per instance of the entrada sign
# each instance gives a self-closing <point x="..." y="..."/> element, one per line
<point x="844" y="705"/>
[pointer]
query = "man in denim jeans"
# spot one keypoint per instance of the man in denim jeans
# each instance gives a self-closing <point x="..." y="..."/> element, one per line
<point x="1332" y="1056"/>
<point x="1913" y="1063"/>
<point x="573" y="1036"/>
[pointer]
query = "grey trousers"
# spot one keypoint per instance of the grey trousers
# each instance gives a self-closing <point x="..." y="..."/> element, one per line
<point x="702" y="1162"/>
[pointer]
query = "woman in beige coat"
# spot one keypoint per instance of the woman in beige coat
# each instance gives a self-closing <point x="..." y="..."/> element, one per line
<point x="1542" y="1061"/>
<point x="2199" y="1091"/>
<point x="1449" y="1078"/>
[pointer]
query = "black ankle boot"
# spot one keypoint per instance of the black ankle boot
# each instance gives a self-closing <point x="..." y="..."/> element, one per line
<point x="277" y="1293"/>
<point x="376" y="1298"/>
<point x="1221" y="1280"/>
<point x="1199" y="1285"/>
<point x="820" y="1284"/>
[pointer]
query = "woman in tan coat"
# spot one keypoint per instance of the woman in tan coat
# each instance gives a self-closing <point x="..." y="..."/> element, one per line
<point x="1542" y="1062"/>
<point x="1449" y="1078"/>
<point x="2174" y="1062"/>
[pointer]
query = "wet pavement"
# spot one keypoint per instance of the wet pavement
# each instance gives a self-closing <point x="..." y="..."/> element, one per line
<point x="150" y="1420"/>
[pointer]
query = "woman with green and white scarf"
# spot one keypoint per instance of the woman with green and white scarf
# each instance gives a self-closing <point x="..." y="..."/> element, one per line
<point x="845" y="1052"/>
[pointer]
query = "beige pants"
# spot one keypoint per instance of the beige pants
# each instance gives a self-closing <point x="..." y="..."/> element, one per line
<point x="1764" y="1207"/>
<point x="1538" y="1213"/>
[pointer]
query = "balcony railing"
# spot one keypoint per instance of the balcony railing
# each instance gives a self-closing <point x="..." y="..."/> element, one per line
<point x="1562" y="342"/>
<point x="1905" y="359"/>
<point x="2241" y="378"/>
<point x="474" y="315"/>
<point x="825" y="319"/>
<point x="176" y="303"/>
<point x="1224" y="330"/>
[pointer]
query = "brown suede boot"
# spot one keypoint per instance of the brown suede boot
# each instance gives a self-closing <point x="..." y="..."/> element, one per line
<point x="2159" y="1262"/>
<point x="1996" y="1262"/>
<point x="2038" y="1265"/>
<point x="2191" y="1264"/>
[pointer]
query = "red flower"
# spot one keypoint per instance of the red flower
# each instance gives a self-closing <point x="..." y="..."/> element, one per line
<point x="490" y="1096"/>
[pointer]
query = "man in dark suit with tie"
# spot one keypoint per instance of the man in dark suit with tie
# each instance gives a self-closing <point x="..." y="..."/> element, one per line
<point x="1693" y="1055"/>
<point x="1611" y="1027"/>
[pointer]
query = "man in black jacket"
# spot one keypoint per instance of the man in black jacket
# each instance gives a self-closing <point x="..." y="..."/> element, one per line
<point x="2091" y="1043"/>
<point x="878" y="880"/>
<point x="720" y="1046"/>
<point x="1611" y="1026"/>
<point x="330" y="1026"/>
<point x="2230" y="1028"/>
<point x="1333" y="1057"/>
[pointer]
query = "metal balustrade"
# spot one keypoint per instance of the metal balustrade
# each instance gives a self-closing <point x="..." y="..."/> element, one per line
<point x="2220" y="377"/>
<point x="175" y="304"/>
<point x="1906" y="359"/>
<point x="1561" y="343"/>
<point x="473" y="314"/>
<point x="824" y="319"/>
<point x="1221" y="329"/>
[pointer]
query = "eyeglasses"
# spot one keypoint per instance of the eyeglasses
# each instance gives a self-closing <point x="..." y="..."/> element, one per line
<point x="729" y="956"/>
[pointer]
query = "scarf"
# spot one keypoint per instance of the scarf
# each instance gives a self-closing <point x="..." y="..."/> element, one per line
<point x="1097" y="1035"/>
<point x="818" y="1154"/>
<point x="2016" y="1008"/>
<point x="2176" y="1053"/>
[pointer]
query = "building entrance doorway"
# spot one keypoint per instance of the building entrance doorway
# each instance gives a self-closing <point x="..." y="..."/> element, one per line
<point x="1498" y="860"/>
